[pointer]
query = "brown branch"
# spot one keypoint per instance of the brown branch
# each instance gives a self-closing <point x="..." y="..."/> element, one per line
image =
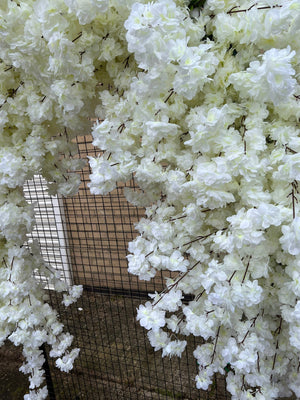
<point x="175" y="219"/>
<point x="234" y="11"/>
<point x="248" y="331"/>
<point x="293" y="201"/>
<point x="278" y="330"/>
<point x="215" y="346"/>
<point x="232" y="275"/>
<point x="291" y="150"/>
<point x="243" y="382"/>
<point x="199" y="238"/>
<point x="171" y="92"/>
<point x="77" y="37"/>
<point x="121" y="128"/>
<point x="167" y="290"/>
<point x="246" y="270"/>
<point x="151" y="252"/>
<point x="5" y="101"/>
<point x="181" y="320"/>
<point x="199" y="295"/>
<point x="294" y="198"/>
<point x="126" y="62"/>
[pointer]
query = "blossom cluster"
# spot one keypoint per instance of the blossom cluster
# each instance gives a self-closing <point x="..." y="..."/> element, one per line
<point x="206" y="119"/>
<point x="53" y="56"/>
<point x="203" y="108"/>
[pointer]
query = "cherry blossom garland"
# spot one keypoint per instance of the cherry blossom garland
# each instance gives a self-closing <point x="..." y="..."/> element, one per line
<point x="209" y="126"/>
<point x="203" y="107"/>
<point x="53" y="54"/>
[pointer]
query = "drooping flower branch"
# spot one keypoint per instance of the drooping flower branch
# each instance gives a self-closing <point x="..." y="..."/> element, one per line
<point x="210" y="130"/>
<point x="53" y="57"/>
<point x="202" y="107"/>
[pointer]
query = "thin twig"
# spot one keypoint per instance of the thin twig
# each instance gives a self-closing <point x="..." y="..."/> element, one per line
<point x="234" y="11"/>
<point x="251" y="326"/>
<point x="232" y="275"/>
<point x="198" y="238"/>
<point x="175" y="219"/>
<point x="171" y="92"/>
<point x="77" y="37"/>
<point x="246" y="270"/>
<point x="215" y="346"/>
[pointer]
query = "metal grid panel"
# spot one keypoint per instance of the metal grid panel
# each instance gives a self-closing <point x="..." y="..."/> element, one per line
<point x="116" y="360"/>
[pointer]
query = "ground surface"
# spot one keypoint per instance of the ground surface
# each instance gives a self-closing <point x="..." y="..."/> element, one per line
<point x="13" y="384"/>
<point x="116" y="361"/>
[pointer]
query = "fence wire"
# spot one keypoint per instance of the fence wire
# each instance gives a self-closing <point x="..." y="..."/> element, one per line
<point x="86" y="237"/>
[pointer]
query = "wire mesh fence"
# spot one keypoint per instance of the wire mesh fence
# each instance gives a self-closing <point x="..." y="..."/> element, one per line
<point x="86" y="238"/>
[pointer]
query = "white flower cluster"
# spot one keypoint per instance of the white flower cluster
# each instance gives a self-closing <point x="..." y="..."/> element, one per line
<point x="205" y="115"/>
<point x="54" y="60"/>
<point x="203" y="108"/>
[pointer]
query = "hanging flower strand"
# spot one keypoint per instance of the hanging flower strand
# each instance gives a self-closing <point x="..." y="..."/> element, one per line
<point x="52" y="58"/>
<point x="212" y="138"/>
<point x="202" y="107"/>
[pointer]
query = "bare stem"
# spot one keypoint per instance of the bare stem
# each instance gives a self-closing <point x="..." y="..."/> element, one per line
<point x="199" y="295"/>
<point x="199" y="238"/>
<point x="278" y="330"/>
<point x="232" y="275"/>
<point x="215" y="346"/>
<point x="171" y="92"/>
<point x="151" y="252"/>
<point x="246" y="270"/>
<point x="175" y="219"/>
<point x="77" y="37"/>
<point x="248" y="331"/>
<point x="234" y="11"/>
